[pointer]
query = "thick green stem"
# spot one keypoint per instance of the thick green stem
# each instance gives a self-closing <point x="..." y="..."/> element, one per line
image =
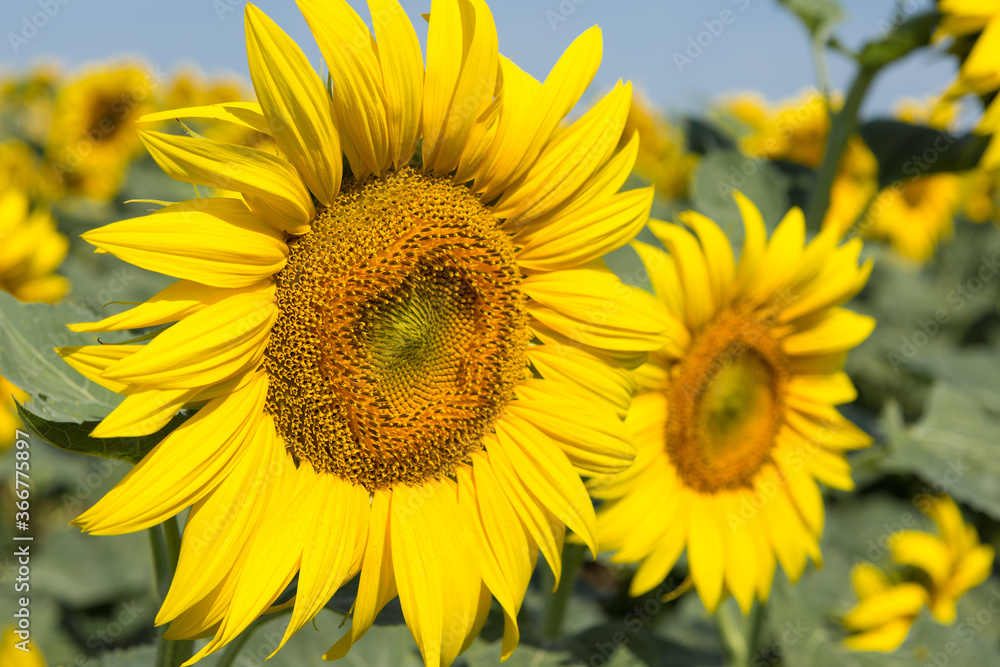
<point x="165" y="541"/>
<point x="843" y="125"/>
<point x="555" y="606"/>
<point x="733" y="639"/>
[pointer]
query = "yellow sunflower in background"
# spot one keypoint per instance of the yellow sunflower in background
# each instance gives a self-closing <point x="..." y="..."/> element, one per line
<point x="403" y="370"/>
<point x="12" y="656"/>
<point x="734" y="422"/>
<point x="916" y="214"/>
<point x="885" y="611"/>
<point x="945" y="567"/>
<point x="796" y="131"/>
<point x="980" y="195"/>
<point x="662" y="159"/>
<point x="93" y="135"/>
<point x="952" y="562"/>
<point x="980" y="71"/>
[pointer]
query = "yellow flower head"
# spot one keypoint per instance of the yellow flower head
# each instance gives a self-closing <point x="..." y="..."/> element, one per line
<point x="885" y="611"/>
<point x="916" y="214"/>
<point x="12" y="655"/>
<point x="662" y="160"/>
<point x="734" y="422"/>
<point x="953" y="561"/>
<point x="403" y="369"/>
<point x="93" y="135"/>
<point x="30" y="250"/>
<point x="794" y="130"/>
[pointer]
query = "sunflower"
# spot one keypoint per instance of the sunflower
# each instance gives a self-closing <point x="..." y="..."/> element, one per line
<point x="93" y="134"/>
<point x="662" y="159"/>
<point x="794" y="130"/>
<point x="975" y="27"/>
<point x="932" y="571"/>
<point x="916" y="214"/>
<point x="854" y="185"/>
<point x="734" y="420"/>
<point x="30" y="250"/>
<point x="402" y="370"/>
<point x="885" y="611"/>
<point x="951" y="563"/>
<point x="12" y="656"/>
<point x="980" y="195"/>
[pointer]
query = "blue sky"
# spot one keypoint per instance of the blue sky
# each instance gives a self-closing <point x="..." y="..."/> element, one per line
<point x="756" y="45"/>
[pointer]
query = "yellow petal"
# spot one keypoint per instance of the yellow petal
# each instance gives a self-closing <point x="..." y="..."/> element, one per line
<point x="565" y="363"/>
<point x="402" y="76"/>
<point x="168" y="305"/>
<point x="377" y="584"/>
<point x="358" y="99"/>
<point x="435" y="569"/>
<point x="185" y="466"/>
<point x="700" y="303"/>
<point x="593" y="307"/>
<point x="839" y="330"/>
<point x="587" y="430"/>
<point x="247" y="114"/>
<point x="209" y="346"/>
<point x="295" y="103"/>
<point x="754" y="242"/>
<point x="547" y="473"/>
<point x="569" y="159"/>
<point x="903" y="600"/>
<point x="534" y="112"/>
<point x="143" y="412"/>
<point x="885" y="638"/>
<point x="718" y="254"/>
<point x="573" y="242"/>
<point x="705" y="553"/>
<point x="213" y="242"/>
<point x="271" y="186"/>
<point x="462" y="62"/>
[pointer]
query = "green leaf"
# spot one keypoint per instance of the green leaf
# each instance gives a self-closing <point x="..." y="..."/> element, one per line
<point x="953" y="448"/>
<point x="703" y="136"/>
<point x="817" y="15"/>
<point x="905" y="151"/>
<point x="75" y="437"/>
<point x="898" y="40"/>
<point x="30" y="332"/>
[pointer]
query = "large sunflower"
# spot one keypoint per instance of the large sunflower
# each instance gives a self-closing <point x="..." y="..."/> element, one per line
<point x="734" y="420"/>
<point x="402" y="370"/>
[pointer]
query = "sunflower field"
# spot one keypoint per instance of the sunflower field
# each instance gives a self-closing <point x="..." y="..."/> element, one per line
<point x="394" y="352"/>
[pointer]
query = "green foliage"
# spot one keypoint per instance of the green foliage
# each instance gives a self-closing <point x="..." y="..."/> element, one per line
<point x="905" y="151"/>
<point x="30" y="334"/>
<point x="819" y="16"/>
<point x="75" y="437"/>
<point x="898" y="40"/>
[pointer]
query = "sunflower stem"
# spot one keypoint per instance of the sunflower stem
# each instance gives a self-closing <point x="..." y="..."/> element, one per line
<point x="842" y="127"/>
<point x="555" y="606"/>
<point x="165" y="540"/>
<point x="736" y="644"/>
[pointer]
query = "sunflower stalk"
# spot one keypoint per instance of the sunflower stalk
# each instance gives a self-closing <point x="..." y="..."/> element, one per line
<point x="843" y="125"/>
<point x="165" y="540"/>
<point x="554" y="612"/>
<point x="735" y="640"/>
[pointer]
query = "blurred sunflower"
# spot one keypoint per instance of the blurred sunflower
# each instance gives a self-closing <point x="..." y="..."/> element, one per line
<point x="977" y="23"/>
<point x="12" y="656"/>
<point x="364" y="361"/>
<point x="734" y="422"/>
<point x="946" y="567"/>
<point x="796" y="131"/>
<point x="885" y="611"/>
<point x="980" y="195"/>
<point x="916" y="214"/>
<point x="952" y="562"/>
<point x="662" y="159"/>
<point x="93" y="135"/>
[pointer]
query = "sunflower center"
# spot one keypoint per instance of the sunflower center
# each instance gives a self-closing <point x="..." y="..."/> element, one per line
<point x="726" y="404"/>
<point x="401" y="332"/>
